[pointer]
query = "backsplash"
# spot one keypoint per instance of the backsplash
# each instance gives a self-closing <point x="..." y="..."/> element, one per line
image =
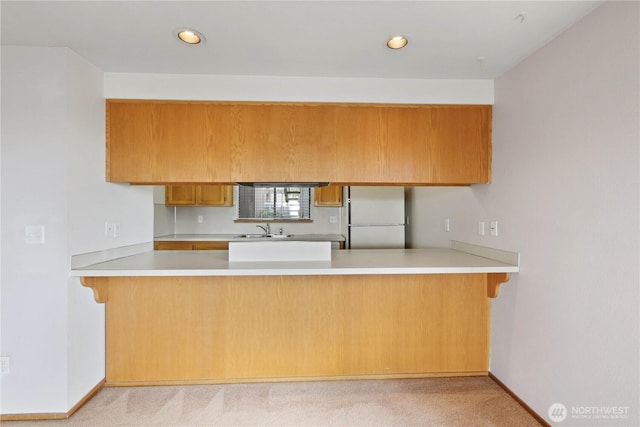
<point x="163" y="219"/>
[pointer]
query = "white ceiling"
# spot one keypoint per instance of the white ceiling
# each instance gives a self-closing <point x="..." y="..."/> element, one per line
<point x="296" y="38"/>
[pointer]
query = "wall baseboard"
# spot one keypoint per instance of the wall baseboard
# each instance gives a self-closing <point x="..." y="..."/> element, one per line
<point x="56" y="415"/>
<point x="521" y="402"/>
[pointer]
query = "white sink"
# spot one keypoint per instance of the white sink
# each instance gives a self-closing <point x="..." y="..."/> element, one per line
<point x="283" y="250"/>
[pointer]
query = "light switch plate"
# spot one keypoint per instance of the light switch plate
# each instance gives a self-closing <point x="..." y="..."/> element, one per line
<point x="481" y="225"/>
<point x="34" y="234"/>
<point x="5" y="365"/>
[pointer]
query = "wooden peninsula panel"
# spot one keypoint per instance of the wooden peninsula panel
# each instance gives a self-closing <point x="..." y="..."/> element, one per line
<point x="164" y="330"/>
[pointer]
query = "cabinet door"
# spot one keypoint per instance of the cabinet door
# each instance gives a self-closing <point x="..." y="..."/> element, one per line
<point x="460" y="144"/>
<point x="187" y="246"/>
<point x="282" y="142"/>
<point x="408" y="145"/>
<point x="169" y="141"/>
<point x="184" y="195"/>
<point x="214" y="195"/>
<point x="173" y="246"/>
<point x="328" y="196"/>
<point x="216" y="246"/>
<point x="199" y="195"/>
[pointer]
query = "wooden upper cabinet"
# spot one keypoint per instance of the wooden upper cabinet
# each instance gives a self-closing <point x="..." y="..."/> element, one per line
<point x="328" y="196"/>
<point x="214" y="195"/>
<point x="283" y="143"/>
<point x="180" y="195"/>
<point x="414" y="145"/>
<point x="164" y="142"/>
<point x="199" y="195"/>
<point x="227" y="142"/>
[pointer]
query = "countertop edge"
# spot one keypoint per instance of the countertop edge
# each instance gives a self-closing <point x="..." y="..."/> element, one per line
<point x="356" y="262"/>
<point x="293" y="272"/>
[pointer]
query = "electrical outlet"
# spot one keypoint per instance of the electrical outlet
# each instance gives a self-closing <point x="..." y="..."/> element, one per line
<point x="5" y="365"/>
<point x="116" y="229"/>
<point x="494" y="228"/>
<point x="447" y="225"/>
<point x="108" y="229"/>
<point x="333" y="219"/>
<point x="200" y="219"/>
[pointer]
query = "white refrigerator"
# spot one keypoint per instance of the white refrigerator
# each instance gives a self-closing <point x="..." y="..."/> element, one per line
<point x="376" y="217"/>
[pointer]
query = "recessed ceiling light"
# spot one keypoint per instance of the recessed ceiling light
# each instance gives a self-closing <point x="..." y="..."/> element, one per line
<point x="190" y="36"/>
<point x="397" y="42"/>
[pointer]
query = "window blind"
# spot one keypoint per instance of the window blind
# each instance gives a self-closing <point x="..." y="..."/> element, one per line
<point x="274" y="203"/>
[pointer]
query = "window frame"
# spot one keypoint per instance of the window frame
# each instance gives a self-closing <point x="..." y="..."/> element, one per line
<point x="278" y="192"/>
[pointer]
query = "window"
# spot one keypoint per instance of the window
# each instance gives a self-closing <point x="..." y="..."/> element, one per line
<point x="290" y="203"/>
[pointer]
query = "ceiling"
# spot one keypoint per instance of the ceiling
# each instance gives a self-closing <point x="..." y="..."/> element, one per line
<point x="447" y="39"/>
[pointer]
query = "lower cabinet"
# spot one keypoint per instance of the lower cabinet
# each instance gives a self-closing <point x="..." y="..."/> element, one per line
<point x="202" y="246"/>
<point x="191" y="246"/>
<point x="216" y="246"/>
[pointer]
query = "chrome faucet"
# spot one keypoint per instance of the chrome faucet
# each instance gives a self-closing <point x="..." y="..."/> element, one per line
<point x="267" y="229"/>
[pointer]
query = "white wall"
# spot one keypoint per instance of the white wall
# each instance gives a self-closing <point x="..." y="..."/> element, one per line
<point x="428" y="207"/>
<point x="313" y="89"/>
<point x="566" y="187"/>
<point x="53" y="158"/>
<point x="34" y="191"/>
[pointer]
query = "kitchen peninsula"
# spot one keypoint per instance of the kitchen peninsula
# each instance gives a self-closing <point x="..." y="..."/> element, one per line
<point x="194" y="317"/>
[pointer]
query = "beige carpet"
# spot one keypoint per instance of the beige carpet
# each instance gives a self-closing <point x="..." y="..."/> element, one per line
<point x="471" y="401"/>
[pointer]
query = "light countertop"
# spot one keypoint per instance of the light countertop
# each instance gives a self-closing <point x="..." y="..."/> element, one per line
<point x="343" y="262"/>
<point x="234" y="237"/>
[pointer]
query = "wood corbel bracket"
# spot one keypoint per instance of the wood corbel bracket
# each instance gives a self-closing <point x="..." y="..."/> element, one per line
<point x="494" y="280"/>
<point x="100" y="287"/>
